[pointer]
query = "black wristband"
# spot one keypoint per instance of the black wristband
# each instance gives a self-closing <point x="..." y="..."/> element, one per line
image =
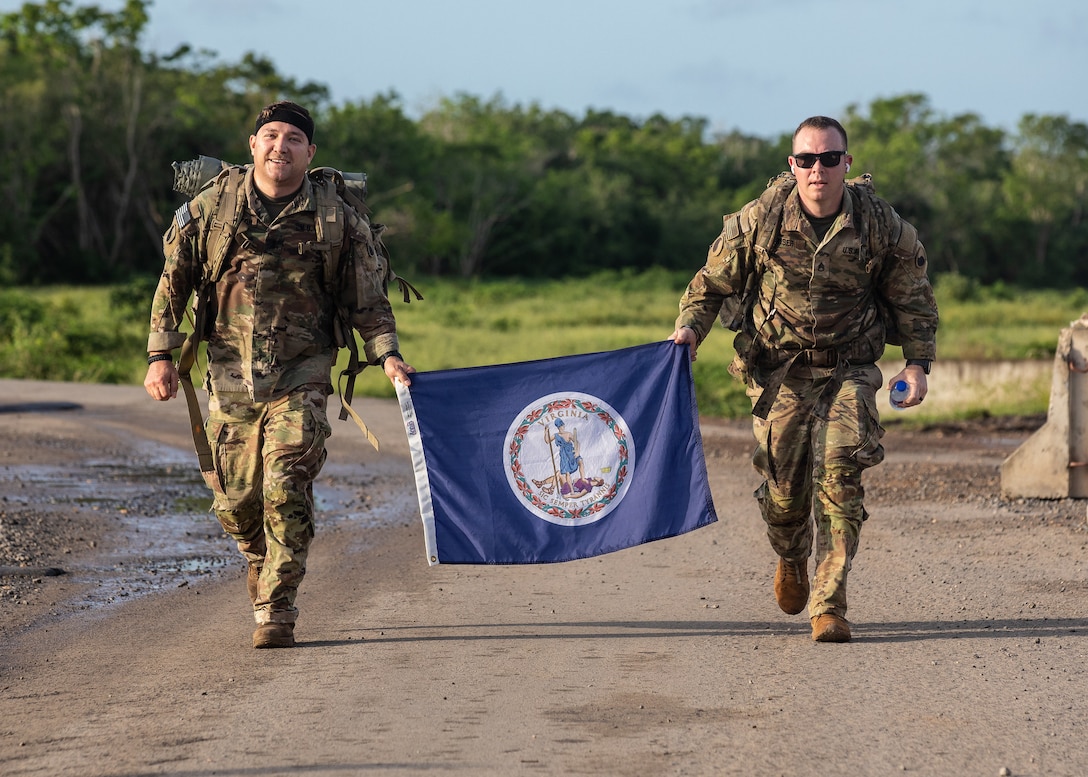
<point x="923" y="363"/>
<point x="381" y="359"/>
<point x="159" y="357"/>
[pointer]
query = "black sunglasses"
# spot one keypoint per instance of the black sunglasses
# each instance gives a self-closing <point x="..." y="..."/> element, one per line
<point x="827" y="159"/>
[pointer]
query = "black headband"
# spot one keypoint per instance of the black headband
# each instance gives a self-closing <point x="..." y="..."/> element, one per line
<point x="290" y="116"/>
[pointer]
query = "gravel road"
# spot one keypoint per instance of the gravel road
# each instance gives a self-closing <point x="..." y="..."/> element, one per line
<point x="124" y="631"/>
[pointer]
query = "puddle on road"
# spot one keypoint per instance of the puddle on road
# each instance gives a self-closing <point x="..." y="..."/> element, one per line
<point x="162" y="533"/>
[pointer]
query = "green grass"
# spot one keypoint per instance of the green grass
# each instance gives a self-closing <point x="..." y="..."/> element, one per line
<point x="1000" y="322"/>
<point x="466" y="324"/>
<point x="82" y="334"/>
<point x="98" y="334"/>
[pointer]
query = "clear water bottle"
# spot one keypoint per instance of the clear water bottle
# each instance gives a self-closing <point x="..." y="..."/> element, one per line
<point x="899" y="394"/>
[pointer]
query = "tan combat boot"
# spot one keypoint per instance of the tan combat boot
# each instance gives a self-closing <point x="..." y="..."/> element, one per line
<point x="791" y="585"/>
<point x="830" y="628"/>
<point x="274" y="635"/>
<point x="252" y="574"/>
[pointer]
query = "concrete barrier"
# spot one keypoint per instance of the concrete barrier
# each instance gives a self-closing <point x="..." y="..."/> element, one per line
<point x="1053" y="462"/>
<point x="973" y="384"/>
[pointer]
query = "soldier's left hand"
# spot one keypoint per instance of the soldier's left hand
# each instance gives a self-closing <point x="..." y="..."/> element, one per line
<point x="915" y="378"/>
<point x="398" y="368"/>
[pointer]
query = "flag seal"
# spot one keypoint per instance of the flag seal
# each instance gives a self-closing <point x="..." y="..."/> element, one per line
<point x="569" y="458"/>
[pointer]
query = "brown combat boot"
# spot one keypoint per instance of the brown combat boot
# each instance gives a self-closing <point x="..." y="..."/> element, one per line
<point x="274" y="635"/>
<point x="830" y="628"/>
<point x="791" y="585"/>
<point x="252" y="574"/>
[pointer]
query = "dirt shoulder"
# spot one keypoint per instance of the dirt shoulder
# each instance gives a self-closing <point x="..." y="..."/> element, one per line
<point x="666" y="659"/>
<point x="101" y="500"/>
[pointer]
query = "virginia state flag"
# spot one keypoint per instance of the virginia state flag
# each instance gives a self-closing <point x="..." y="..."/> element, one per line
<point x="557" y="459"/>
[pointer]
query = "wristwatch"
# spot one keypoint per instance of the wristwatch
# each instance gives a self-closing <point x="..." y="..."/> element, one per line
<point x="923" y="363"/>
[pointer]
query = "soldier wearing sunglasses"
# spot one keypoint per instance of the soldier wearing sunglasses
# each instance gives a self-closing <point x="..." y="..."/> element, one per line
<point x="816" y="276"/>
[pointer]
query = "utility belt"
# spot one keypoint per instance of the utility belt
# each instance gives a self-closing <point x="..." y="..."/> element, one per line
<point x="856" y="352"/>
<point x="819" y="357"/>
<point x="777" y="363"/>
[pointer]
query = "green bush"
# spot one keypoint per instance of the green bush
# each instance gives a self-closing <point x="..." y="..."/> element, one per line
<point x="98" y="334"/>
<point x="955" y="287"/>
<point x="70" y="335"/>
<point x="18" y="309"/>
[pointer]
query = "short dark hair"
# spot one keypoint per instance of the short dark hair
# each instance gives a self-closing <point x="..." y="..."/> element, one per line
<point x="289" y="112"/>
<point x="822" y="123"/>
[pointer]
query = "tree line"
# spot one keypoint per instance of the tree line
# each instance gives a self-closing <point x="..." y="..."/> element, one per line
<point x="90" y="124"/>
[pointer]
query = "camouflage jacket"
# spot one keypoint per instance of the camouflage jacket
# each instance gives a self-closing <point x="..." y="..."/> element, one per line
<point x="837" y="294"/>
<point x="270" y="320"/>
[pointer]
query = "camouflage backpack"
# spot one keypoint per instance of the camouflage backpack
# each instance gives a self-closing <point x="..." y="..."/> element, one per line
<point x="332" y="189"/>
<point x="880" y="231"/>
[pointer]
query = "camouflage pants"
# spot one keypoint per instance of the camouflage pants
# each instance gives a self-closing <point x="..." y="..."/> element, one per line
<point x="267" y="455"/>
<point x="812" y="469"/>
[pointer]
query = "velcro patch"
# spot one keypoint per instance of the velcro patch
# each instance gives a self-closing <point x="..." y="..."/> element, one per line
<point x="183" y="216"/>
<point x="732" y="227"/>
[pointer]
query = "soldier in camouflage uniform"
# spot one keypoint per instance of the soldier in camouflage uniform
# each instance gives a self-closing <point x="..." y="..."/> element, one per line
<point x="270" y="347"/>
<point x="816" y="277"/>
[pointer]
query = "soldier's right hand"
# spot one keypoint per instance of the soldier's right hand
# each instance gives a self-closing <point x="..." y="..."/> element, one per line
<point x="686" y="336"/>
<point x="162" y="380"/>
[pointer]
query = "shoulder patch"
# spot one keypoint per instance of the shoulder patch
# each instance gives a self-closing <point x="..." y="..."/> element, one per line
<point x="732" y="227"/>
<point x="183" y="216"/>
<point x="906" y="242"/>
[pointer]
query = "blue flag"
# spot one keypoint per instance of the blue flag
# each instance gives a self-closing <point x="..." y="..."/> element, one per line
<point x="557" y="459"/>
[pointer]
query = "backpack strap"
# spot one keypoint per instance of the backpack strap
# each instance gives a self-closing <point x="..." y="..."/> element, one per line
<point x="870" y="221"/>
<point x="759" y="223"/>
<point x="186" y="364"/>
<point x="771" y="203"/>
<point x="218" y="238"/>
<point x="331" y="193"/>
<point x="406" y="287"/>
<point x="222" y="227"/>
<point x="883" y="234"/>
<point x="346" y="386"/>
<point x="328" y="221"/>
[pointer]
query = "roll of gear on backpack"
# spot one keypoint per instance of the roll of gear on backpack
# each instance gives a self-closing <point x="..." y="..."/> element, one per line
<point x="331" y="188"/>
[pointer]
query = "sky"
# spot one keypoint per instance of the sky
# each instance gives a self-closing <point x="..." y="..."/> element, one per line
<point x="755" y="66"/>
